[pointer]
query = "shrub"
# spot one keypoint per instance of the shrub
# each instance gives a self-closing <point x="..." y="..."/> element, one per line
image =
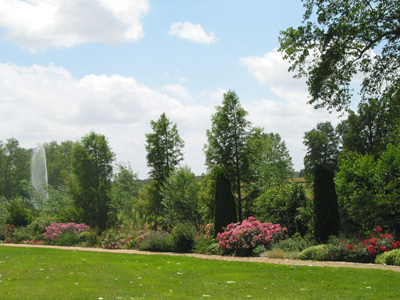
<point x="204" y="239"/>
<point x="242" y="238"/>
<point x="276" y="253"/>
<point x="7" y="232"/>
<point x="317" y="253"/>
<point x="326" y="212"/>
<point x="389" y="258"/>
<point x="17" y="215"/>
<point x="225" y="207"/>
<point x="113" y="241"/>
<point x="159" y="241"/>
<point x="296" y="243"/>
<point x="88" y="238"/>
<point x="183" y="237"/>
<point x="64" y="232"/>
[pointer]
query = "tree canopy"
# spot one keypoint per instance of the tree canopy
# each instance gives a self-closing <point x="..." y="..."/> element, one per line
<point x="227" y="141"/>
<point x="339" y="39"/>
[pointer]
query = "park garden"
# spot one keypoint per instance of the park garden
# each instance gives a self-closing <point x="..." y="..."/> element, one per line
<point x="250" y="201"/>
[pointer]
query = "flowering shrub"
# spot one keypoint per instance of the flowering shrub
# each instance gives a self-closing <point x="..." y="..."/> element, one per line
<point x="204" y="239"/>
<point x="112" y="241"/>
<point x="378" y="243"/>
<point x="356" y="250"/>
<point x="55" y="230"/>
<point x="242" y="238"/>
<point x="7" y="232"/>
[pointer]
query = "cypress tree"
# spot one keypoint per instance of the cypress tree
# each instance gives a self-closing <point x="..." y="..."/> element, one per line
<point x="225" y="207"/>
<point x="326" y="212"/>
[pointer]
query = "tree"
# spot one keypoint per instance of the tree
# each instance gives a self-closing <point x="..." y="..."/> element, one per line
<point x="227" y="141"/>
<point x="58" y="159"/>
<point x="372" y="127"/>
<point x="322" y="148"/>
<point x="225" y="206"/>
<point x="164" y="152"/>
<point x="269" y="159"/>
<point x="326" y="212"/>
<point x="368" y="190"/>
<point x="286" y="204"/>
<point x="181" y="197"/>
<point x="339" y="39"/>
<point x="14" y="168"/>
<point x="124" y="191"/>
<point x="90" y="183"/>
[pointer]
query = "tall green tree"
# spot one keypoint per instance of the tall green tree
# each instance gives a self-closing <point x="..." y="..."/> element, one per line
<point x="90" y="183"/>
<point x="227" y="142"/>
<point x="339" y="39"/>
<point x="225" y="206"/>
<point x="181" y="197"/>
<point x="14" y="169"/>
<point x="323" y="147"/>
<point x="164" y="152"/>
<point x="326" y="211"/>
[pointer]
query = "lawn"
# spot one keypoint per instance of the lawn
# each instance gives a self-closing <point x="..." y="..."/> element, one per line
<point x="37" y="273"/>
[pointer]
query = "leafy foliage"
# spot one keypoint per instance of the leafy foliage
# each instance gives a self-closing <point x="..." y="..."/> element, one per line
<point x="225" y="206"/>
<point x="287" y="205"/>
<point x="90" y="183"/>
<point x="326" y="213"/>
<point x="227" y="141"/>
<point x="339" y="39"/>
<point x="180" y="197"/>
<point x="164" y="152"/>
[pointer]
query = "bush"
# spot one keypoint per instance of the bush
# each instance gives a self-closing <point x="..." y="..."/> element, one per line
<point x="17" y="215"/>
<point x="296" y="243"/>
<point x="241" y="239"/>
<point x="7" y="233"/>
<point x="389" y="258"/>
<point x="317" y="253"/>
<point x="64" y="234"/>
<point x="113" y="240"/>
<point x="159" y="241"/>
<point x="204" y="239"/>
<point x="183" y="237"/>
<point x="88" y="238"/>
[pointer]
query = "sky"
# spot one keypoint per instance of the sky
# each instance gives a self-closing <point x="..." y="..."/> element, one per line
<point x="68" y="68"/>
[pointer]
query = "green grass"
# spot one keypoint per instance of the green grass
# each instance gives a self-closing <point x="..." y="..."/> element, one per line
<point x="37" y="273"/>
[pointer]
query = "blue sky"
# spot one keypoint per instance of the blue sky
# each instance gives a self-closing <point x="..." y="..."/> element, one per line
<point x="112" y="66"/>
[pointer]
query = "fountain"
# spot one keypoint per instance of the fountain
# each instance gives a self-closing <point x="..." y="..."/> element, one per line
<point x="39" y="171"/>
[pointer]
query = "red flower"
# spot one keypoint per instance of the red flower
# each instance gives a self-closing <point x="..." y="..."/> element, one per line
<point x="378" y="229"/>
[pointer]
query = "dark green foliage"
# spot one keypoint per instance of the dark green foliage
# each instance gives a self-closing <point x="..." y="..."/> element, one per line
<point x="90" y="183"/>
<point x="326" y="214"/>
<point x="340" y="39"/>
<point x="226" y="145"/>
<point x="368" y="190"/>
<point x="18" y="215"/>
<point x="183" y="237"/>
<point x="164" y="152"/>
<point x="322" y="145"/>
<point x="286" y="204"/>
<point x="225" y="207"/>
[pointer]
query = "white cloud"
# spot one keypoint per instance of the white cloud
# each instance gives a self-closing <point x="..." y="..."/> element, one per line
<point x="290" y="115"/>
<point x="50" y="104"/>
<point x="192" y="32"/>
<point x="40" y="24"/>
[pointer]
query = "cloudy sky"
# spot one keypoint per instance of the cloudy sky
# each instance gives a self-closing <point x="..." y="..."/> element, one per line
<point x="111" y="66"/>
